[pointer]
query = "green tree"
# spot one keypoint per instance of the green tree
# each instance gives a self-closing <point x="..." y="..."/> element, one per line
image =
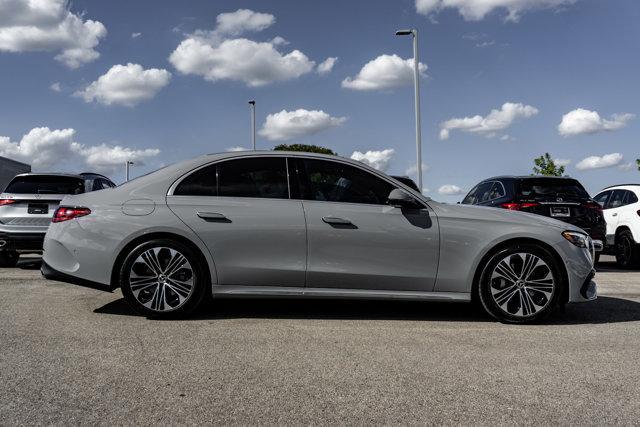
<point x="638" y="163"/>
<point x="305" y="148"/>
<point x="544" y="165"/>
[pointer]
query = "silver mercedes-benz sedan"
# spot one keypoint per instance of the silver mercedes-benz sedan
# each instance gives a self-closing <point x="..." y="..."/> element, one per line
<point x="308" y="225"/>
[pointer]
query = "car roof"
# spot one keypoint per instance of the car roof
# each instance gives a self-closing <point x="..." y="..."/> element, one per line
<point x="618" y="186"/>
<point x="527" y="177"/>
<point x="69" y="175"/>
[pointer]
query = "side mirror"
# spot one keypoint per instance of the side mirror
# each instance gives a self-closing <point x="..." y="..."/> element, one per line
<point x="400" y="199"/>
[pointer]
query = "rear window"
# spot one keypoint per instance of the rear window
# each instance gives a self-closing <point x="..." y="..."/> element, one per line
<point x="43" y="184"/>
<point x="550" y="187"/>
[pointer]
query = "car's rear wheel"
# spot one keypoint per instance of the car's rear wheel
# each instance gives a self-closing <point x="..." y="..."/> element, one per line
<point x="520" y="284"/>
<point x="627" y="250"/>
<point x="9" y="258"/>
<point x="162" y="278"/>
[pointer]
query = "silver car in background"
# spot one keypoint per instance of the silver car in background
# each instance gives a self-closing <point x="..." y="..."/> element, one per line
<point x="309" y="225"/>
<point x="27" y="206"/>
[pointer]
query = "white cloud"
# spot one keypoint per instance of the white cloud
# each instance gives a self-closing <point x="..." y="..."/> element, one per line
<point x="292" y="124"/>
<point x="326" y="66"/>
<point x="581" y="121"/>
<point x="126" y="85"/>
<point x="376" y="159"/>
<point x="46" y="149"/>
<point x="450" y="190"/>
<point x="243" y="20"/>
<point x="411" y="170"/>
<point x="104" y="157"/>
<point x="562" y="162"/>
<point x="214" y="56"/>
<point x="49" y="26"/>
<point x="135" y="35"/>
<point x="627" y="166"/>
<point x="279" y="41"/>
<point x="475" y="10"/>
<point x="56" y="87"/>
<point x="599" y="162"/>
<point x="383" y="73"/>
<point x="237" y="148"/>
<point x="494" y="121"/>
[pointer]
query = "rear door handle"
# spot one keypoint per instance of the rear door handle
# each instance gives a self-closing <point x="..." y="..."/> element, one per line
<point x="212" y="216"/>
<point x="336" y="221"/>
<point x="614" y="214"/>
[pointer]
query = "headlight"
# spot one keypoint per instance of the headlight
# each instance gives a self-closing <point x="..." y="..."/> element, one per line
<point x="579" y="239"/>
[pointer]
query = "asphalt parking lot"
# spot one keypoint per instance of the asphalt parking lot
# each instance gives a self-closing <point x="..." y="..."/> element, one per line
<point x="72" y="355"/>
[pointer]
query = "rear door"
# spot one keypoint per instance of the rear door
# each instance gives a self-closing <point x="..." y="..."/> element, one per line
<point x="358" y="241"/>
<point x="30" y="200"/>
<point x="242" y="211"/>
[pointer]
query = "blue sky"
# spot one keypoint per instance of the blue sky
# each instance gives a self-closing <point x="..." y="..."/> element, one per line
<point x="548" y="59"/>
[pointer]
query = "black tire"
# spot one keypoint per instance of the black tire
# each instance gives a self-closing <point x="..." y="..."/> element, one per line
<point x="627" y="250"/>
<point x="9" y="258"/>
<point x="493" y="286"/>
<point x="176" y="301"/>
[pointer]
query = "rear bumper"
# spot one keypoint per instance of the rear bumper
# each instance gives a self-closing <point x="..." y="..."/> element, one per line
<point x="21" y="241"/>
<point x="52" y="274"/>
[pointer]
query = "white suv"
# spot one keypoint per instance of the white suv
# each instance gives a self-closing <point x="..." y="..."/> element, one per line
<point x="621" y="207"/>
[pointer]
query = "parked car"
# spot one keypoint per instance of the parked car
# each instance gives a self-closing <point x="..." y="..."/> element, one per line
<point x="561" y="198"/>
<point x="294" y="224"/>
<point x="622" y="213"/>
<point x="27" y="206"/>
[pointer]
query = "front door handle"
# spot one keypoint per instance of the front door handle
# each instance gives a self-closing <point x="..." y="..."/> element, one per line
<point x="614" y="214"/>
<point x="213" y="216"/>
<point x="336" y="221"/>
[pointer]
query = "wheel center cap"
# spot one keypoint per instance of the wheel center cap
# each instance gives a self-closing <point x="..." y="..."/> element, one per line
<point x="162" y="278"/>
<point x="520" y="283"/>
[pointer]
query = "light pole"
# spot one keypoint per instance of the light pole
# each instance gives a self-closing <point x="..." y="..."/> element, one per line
<point x="252" y="104"/>
<point x="416" y="87"/>
<point x="127" y="164"/>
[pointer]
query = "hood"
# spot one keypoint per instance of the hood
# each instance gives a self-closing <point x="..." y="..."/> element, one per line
<point x="483" y="213"/>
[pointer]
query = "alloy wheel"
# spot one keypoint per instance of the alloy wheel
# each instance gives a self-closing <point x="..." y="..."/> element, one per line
<point x="161" y="279"/>
<point x="522" y="284"/>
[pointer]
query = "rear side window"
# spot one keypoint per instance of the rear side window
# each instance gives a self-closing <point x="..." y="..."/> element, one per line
<point x="45" y="184"/>
<point x="338" y="182"/>
<point x="541" y="188"/>
<point x="617" y="199"/>
<point x="631" y="198"/>
<point x="252" y="177"/>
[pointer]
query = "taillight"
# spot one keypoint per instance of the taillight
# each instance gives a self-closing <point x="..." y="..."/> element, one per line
<point x="518" y="206"/>
<point x="65" y="213"/>
<point x="638" y="213"/>
<point x="6" y="202"/>
<point x="593" y="205"/>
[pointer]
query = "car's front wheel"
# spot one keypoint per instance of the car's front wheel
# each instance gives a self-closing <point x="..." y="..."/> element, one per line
<point x="9" y="258"/>
<point x="521" y="283"/>
<point x="162" y="278"/>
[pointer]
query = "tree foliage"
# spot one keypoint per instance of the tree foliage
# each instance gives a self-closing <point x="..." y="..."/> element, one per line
<point x="544" y="165"/>
<point x="304" y="147"/>
<point x="638" y="163"/>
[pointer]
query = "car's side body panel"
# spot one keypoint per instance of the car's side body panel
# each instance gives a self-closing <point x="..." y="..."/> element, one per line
<point x="383" y="247"/>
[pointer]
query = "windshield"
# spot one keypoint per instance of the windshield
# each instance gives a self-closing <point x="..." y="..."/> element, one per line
<point x="549" y="187"/>
<point x="45" y="184"/>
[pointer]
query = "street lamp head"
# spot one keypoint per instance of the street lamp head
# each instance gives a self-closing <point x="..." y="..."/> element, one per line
<point x="252" y="102"/>
<point x="404" y="32"/>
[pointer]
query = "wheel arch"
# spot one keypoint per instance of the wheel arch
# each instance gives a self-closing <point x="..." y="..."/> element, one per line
<point x="520" y="240"/>
<point x="124" y="251"/>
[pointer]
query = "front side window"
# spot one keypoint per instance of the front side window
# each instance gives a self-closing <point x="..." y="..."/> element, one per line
<point x="338" y="182"/>
<point x="250" y="177"/>
<point x="602" y="198"/>
<point x="481" y="194"/>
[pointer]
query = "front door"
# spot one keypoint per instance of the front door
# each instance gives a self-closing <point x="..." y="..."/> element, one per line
<point x="241" y="209"/>
<point x="356" y="240"/>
